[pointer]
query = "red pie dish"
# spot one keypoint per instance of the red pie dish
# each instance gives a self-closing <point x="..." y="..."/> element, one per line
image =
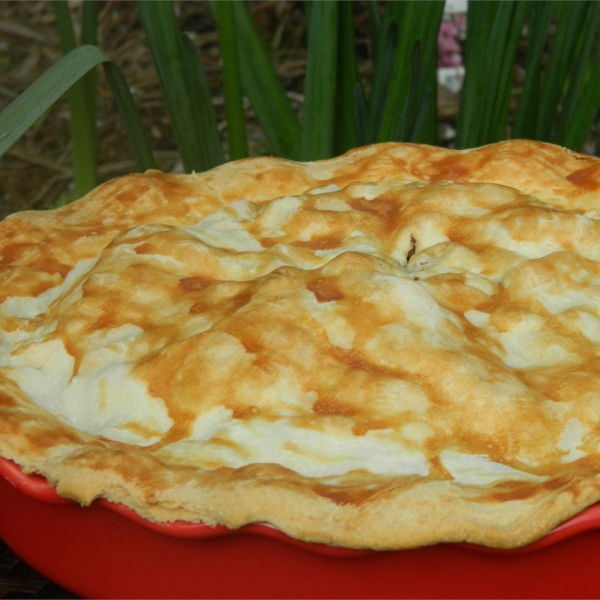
<point x="107" y="550"/>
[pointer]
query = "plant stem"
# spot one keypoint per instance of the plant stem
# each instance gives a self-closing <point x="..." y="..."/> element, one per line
<point x="82" y="108"/>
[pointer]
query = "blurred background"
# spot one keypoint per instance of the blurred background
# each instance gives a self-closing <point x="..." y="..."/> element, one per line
<point x="37" y="171"/>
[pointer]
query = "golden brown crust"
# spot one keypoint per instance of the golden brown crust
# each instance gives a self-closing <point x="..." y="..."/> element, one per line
<point x="392" y="348"/>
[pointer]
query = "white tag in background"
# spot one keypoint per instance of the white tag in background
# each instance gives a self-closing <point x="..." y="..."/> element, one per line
<point x="456" y="6"/>
<point x="451" y="78"/>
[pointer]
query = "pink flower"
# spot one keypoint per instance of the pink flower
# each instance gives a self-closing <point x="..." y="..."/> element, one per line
<point x="448" y="46"/>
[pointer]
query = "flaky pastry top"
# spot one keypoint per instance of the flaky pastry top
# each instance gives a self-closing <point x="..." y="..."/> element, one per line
<point x="395" y="347"/>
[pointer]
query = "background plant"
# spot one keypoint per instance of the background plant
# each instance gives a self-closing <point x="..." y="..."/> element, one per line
<point x="396" y="99"/>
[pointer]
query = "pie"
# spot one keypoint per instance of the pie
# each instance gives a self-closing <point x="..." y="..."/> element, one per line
<point x="396" y="347"/>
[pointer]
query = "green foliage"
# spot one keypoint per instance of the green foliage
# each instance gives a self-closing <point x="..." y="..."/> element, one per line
<point x="263" y="87"/>
<point x="400" y="102"/>
<point x="82" y="97"/>
<point x="180" y="74"/>
<point x="493" y="32"/>
<point x="560" y="97"/>
<point x="232" y="85"/>
<point x="409" y="88"/>
<point x="346" y="134"/>
<point x="54" y="83"/>
<point x="318" y="112"/>
<point x="558" y="101"/>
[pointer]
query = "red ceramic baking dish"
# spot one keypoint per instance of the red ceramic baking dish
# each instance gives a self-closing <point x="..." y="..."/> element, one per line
<point x="107" y="551"/>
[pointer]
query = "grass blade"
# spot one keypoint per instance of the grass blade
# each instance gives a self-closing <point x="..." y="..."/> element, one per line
<point x="166" y="45"/>
<point x="82" y="102"/>
<point x="540" y="17"/>
<point x="569" y="21"/>
<point x="264" y="88"/>
<point x="16" y="118"/>
<point x="44" y="92"/>
<point x="89" y="22"/>
<point x="232" y="87"/>
<point x="384" y="41"/>
<point x="587" y="111"/>
<point x="64" y="25"/>
<point x="398" y="88"/>
<point x="318" y="120"/>
<point x="347" y="78"/>
<point x="89" y="35"/>
<point x="493" y="32"/>
<point x="204" y="113"/>
<point x="421" y="131"/>
<point x="130" y="117"/>
<point x="505" y="39"/>
<point x="479" y="17"/>
<point x="375" y="25"/>
<point x="412" y="121"/>
<point x="422" y="103"/>
<point x="419" y="23"/>
<point x="578" y="70"/>
<point x="360" y="125"/>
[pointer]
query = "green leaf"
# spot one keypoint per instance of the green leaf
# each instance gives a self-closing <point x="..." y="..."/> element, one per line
<point x="82" y="106"/>
<point x="347" y="78"/>
<point x="384" y="45"/>
<point x="493" y="32"/>
<point x="361" y="124"/>
<point x="507" y="39"/>
<point x="398" y="81"/>
<point x="588" y="107"/>
<point x="232" y="87"/>
<point x="578" y="72"/>
<point x="130" y="117"/>
<point x="205" y="115"/>
<point x="16" y="118"/>
<point x="419" y="23"/>
<point x="318" y="119"/>
<point x="540" y="17"/>
<point x="422" y="100"/>
<point x="89" y="35"/>
<point x="375" y="25"/>
<point x="44" y="92"/>
<point x="479" y="17"/>
<point x="411" y="124"/>
<point x="264" y="88"/>
<point x="89" y="22"/>
<point x="171" y="61"/>
<point x="569" y="21"/>
<point x="64" y="25"/>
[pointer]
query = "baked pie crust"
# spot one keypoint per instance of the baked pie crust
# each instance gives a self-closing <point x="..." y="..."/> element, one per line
<point x="396" y="347"/>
